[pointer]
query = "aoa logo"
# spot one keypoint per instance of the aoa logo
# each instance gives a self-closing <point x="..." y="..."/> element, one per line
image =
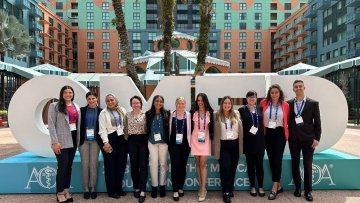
<point x="320" y="174"/>
<point x="45" y="177"/>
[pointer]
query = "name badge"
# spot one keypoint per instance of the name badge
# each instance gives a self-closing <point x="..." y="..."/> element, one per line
<point x="272" y="124"/>
<point x="157" y="137"/>
<point x="90" y="134"/>
<point x="253" y="130"/>
<point x="299" y="120"/>
<point x="201" y="136"/>
<point x="120" y="131"/>
<point x="72" y="126"/>
<point x="179" y="138"/>
<point x="229" y="134"/>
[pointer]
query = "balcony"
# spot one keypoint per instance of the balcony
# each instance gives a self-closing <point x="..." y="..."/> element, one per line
<point x="353" y="35"/>
<point x="301" y="20"/>
<point x="353" y="18"/>
<point x="310" y="53"/>
<point x="24" y="4"/>
<point x="277" y="46"/>
<point x="182" y="7"/>
<point x="310" y="40"/>
<point x="43" y="21"/>
<point x="311" y="26"/>
<point x="292" y="38"/>
<point x="37" y="53"/>
<point x="310" y="13"/>
<point x="53" y="39"/>
<point x="301" y="45"/>
<point x="324" y="4"/>
<point x="292" y="49"/>
<point x="43" y="47"/>
<point x="301" y="33"/>
<point x="290" y="60"/>
<point x="352" y="3"/>
<point x="353" y="53"/>
<point x="44" y="34"/>
<point x="300" y="58"/>
<point x="39" y="40"/>
<point x="52" y="26"/>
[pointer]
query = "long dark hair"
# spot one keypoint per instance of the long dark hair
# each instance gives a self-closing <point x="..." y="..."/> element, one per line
<point x="275" y="86"/>
<point x="207" y="108"/>
<point x="152" y="111"/>
<point x="61" y="106"/>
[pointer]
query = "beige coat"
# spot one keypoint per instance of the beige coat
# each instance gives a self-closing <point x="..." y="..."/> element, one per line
<point x="215" y="144"/>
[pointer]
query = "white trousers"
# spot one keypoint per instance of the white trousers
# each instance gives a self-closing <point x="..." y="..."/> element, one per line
<point x="158" y="155"/>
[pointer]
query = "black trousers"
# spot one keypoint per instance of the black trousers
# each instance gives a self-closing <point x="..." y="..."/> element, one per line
<point x="139" y="160"/>
<point x="255" y="166"/>
<point x="115" y="163"/>
<point x="64" y="163"/>
<point x="179" y="155"/>
<point x="229" y="158"/>
<point x="296" y="146"/>
<point x="275" y="144"/>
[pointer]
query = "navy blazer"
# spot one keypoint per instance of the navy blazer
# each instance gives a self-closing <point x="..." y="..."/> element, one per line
<point x="83" y="126"/>
<point x="311" y="129"/>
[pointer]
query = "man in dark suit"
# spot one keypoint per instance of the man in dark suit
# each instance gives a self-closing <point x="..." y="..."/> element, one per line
<point x="304" y="135"/>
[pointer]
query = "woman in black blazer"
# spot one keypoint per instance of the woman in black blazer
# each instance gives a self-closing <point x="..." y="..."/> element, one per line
<point x="89" y="144"/>
<point x="254" y="142"/>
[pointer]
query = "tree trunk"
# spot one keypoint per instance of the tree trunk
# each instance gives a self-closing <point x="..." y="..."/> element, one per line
<point x="205" y="24"/>
<point x="122" y="31"/>
<point x="167" y="9"/>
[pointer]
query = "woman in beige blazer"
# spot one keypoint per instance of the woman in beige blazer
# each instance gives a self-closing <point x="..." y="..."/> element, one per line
<point x="227" y="145"/>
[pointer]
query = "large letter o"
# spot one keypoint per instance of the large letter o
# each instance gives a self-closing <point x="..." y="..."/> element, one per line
<point x="26" y="106"/>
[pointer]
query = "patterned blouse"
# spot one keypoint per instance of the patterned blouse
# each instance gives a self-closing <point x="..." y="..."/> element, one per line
<point x="136" y="124"/>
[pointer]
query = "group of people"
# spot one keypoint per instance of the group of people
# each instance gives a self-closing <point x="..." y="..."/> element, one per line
<point x="149" y="136"/>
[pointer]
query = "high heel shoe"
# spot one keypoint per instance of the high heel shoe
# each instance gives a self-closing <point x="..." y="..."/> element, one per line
<point x="202" y="198"/>
<point x="61" y="198"/>
<point x="68" y="197"/>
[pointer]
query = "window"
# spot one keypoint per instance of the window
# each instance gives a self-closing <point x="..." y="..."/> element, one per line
<point x="339" y="5"/>
<point x="119" y="45"/>
<point x="89" y="6"/>
<point x="136" y="16"/>
<point x="227" y="6"/>
<point x="273" y="6"/>
<point x="257" y="35"/>
<point x="242" y="65"/>
<point x="287" y="6"/>
<point x="90" y="35"/>
<point x="341" y="36"/>
<point x="243" y="6"/>
<point x="327" y="12"/>
<point x="213" y="25"/>
<point x="242" y="16"/>
<point x="105" y="35"/>
<point x="227" y="26"/>
<point x="90" y="45"/>
<point x="257" y="45"/>
<point x="136" y="46"/>
<point x="106" y="65"/>
<point x="242" y="35"/>
<point x="328" y="27"/>
<point x="257" y="6"/>
<point x="59" y="5"/>
<point x="151" y="35"/>
<point x="136" y="25"/>
<point x="106" y="55"/>
<point x="342" y="51"/>
<point x="90" y="25"/>
<point x="137" y="54"/>
<point x="90" y="55"/>
<point x="106" y="45"/>
<point x="258" y="26"/>
<point x="213" y="16"/>
<point x="242" y="45"/>
<point x="227" y="16"/>
<point x="258" y="16"/>
<point x="242" y="55"/>
<point x="242" y="26"/>
<point x="257" y="65"/>
<point x="335" y="53"/>
<point x="120" y="55"/>
<point x="91" y="65"/>
<point x="136" y="6"/>
<point x="214" y="6"/>
<point x="105" y="5"/>
<point x="90" y="16"/>
<point x="105" y="16"/>
<point x="341" y="20"/>
<point x="60" y="14"/>
<point x="227" y="35"/>
<point x="227" y="45"/>
<point x="257" y="55"/>
<point x="227" y="55"/>
<point x="136" y="36"/>
<point x="286" y="15"/>
<point x="105" y="25"/>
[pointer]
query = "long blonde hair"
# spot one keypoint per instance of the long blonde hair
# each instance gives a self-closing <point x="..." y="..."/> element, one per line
<point x="232" y="115"/>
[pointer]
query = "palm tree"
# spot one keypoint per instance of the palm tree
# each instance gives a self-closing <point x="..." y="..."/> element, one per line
<point x="119" y="22"/>
<point x="167" y="21"/>
<point x="13" y="37"/>
<point x="203" y="40"/>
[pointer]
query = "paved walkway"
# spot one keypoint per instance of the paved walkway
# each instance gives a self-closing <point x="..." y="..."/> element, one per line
<point x="349" y="143"/>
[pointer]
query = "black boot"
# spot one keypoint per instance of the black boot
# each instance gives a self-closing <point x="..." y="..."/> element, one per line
<point x="162" y="191"/>
<point x="154" y="192"/>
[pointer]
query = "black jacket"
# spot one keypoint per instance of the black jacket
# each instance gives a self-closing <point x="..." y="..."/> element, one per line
<point x="83" y="127"/>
